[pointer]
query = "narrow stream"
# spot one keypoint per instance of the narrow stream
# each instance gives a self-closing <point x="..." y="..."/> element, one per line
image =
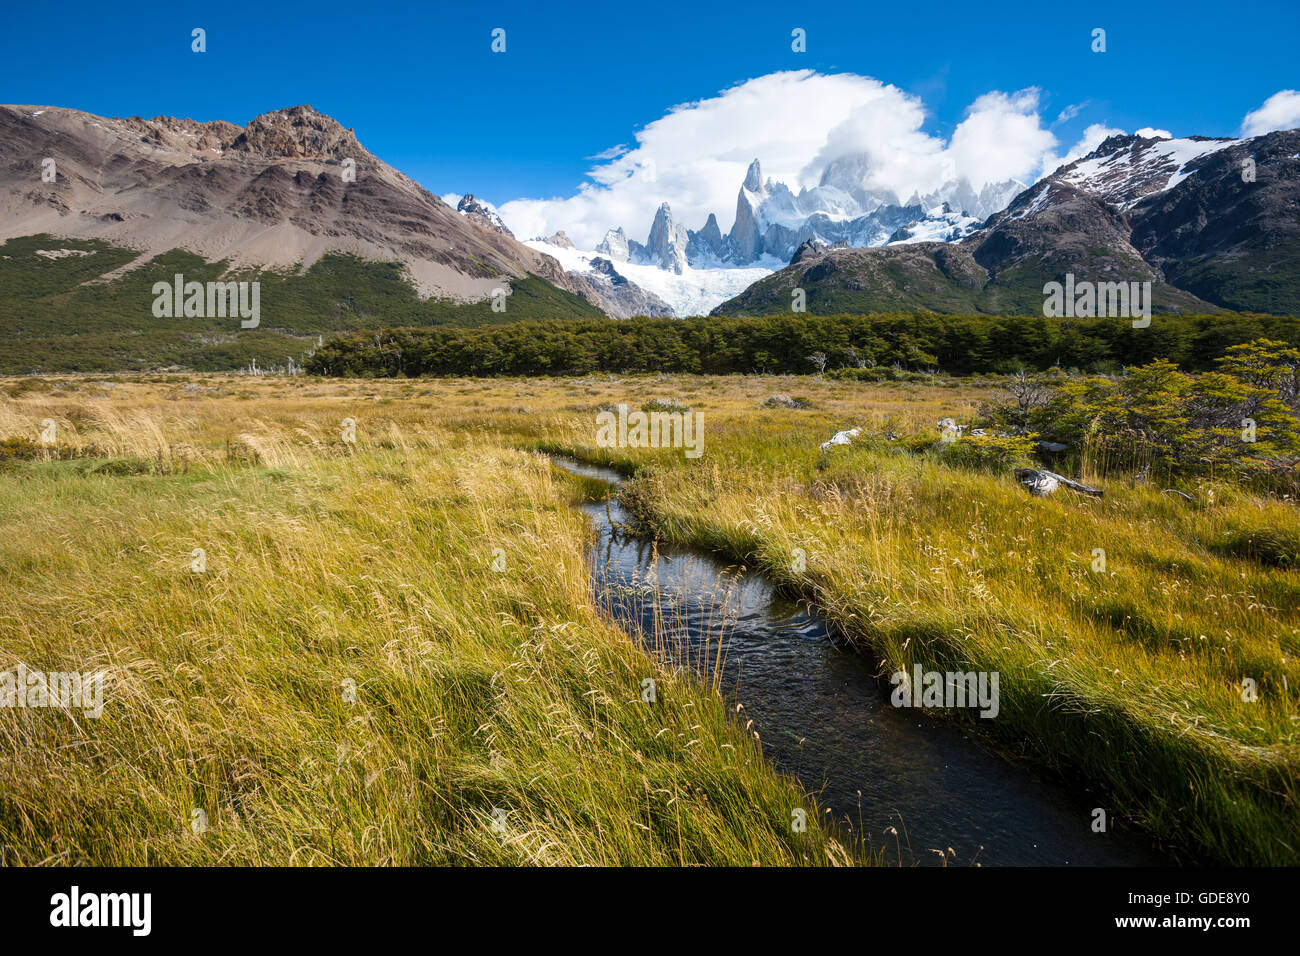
<point x="823" y="719"/>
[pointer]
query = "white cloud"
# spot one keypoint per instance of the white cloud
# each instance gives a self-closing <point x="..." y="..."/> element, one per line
<point x="1280" y="111"/>
<point x="1070" y="112"/>
<point x="1150" y="132"/>
<point x="795" y="123"/>
<point x="1001" y="138"/>
<point x="614" y="152"/>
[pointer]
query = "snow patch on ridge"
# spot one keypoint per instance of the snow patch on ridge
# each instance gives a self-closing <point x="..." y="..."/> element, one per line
<point x="1162" y="165"/>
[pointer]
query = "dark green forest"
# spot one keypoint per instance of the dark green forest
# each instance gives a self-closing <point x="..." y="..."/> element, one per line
<point x="867" y="346"/>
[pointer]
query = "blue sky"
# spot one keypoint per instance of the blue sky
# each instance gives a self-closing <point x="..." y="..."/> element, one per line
<point x="421" y="87"/>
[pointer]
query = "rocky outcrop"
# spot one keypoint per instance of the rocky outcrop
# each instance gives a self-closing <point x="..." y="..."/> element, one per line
<point x="614" y="245"/>
<point x="560" y="241"/>
<point x="298" y="132"/>
<point x="808" y="249"/>
<point x="707" y="245"/>
<point x="483" y="214"/>
<point x="666" y="246"/>
<point x="168" y="132"/>
<point x="612" y="293"/>
<point x="745" y="241"/>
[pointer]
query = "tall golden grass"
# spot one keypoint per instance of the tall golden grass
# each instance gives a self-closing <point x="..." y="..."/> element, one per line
<point x="348" y="681"/>
<point x="479" y="690"/>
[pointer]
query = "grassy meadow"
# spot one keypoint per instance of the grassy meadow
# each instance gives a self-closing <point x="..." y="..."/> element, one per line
<point x="351" y="681"/>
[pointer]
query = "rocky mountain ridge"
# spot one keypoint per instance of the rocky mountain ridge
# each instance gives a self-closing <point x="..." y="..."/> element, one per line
<point x="772" y="221"/>
<point x="280" y="192"/>
<point x="1210" y="223"/>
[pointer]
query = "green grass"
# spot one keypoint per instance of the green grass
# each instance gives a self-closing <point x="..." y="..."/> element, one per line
<point x="497" y="717"/>
<point x="1257" y="539"/>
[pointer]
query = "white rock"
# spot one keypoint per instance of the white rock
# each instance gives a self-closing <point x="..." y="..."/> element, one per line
<point x="842" y="438"/>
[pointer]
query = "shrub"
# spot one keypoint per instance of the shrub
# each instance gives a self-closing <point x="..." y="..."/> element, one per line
<point x="16" y="447"/>
<point x="1245" y="411"/>
<point x="989" y="453"/>
<point x="24" y="385"/>
<point x="1277" y="547"/>
<point x="664" y="405"/>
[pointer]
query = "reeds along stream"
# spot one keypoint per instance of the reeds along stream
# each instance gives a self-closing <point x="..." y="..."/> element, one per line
<point x="922" y="790"/>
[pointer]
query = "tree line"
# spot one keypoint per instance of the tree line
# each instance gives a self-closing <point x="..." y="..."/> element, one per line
<point x="858" y="344"/>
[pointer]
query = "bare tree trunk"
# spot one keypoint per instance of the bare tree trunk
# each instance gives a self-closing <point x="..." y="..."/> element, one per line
<point x="1043" y="482"/>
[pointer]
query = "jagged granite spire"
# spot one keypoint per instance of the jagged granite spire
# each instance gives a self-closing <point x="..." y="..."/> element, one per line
<point x="666" y="246"/>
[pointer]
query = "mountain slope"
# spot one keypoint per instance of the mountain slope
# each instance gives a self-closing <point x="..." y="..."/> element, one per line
<point x="1233" y="242"/>
<point x="620" y="298"/>
<point x="58" y="315"/>
<point x="273" y="195"/>
<point x="1176" y="213"/>
<point x="337" y="239"/>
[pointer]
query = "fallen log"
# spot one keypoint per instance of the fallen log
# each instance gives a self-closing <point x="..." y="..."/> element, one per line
<point x="1042" y="482"/>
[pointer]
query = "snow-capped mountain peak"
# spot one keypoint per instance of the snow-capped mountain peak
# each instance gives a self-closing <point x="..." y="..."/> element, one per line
<point x="614" y="245"/>
<point x="483" y="213"/>
<point x="940" y="224"/>
<point x="1123" y="170"/>
<point x="666" y="245"/>
<point x="773" y="222"/>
